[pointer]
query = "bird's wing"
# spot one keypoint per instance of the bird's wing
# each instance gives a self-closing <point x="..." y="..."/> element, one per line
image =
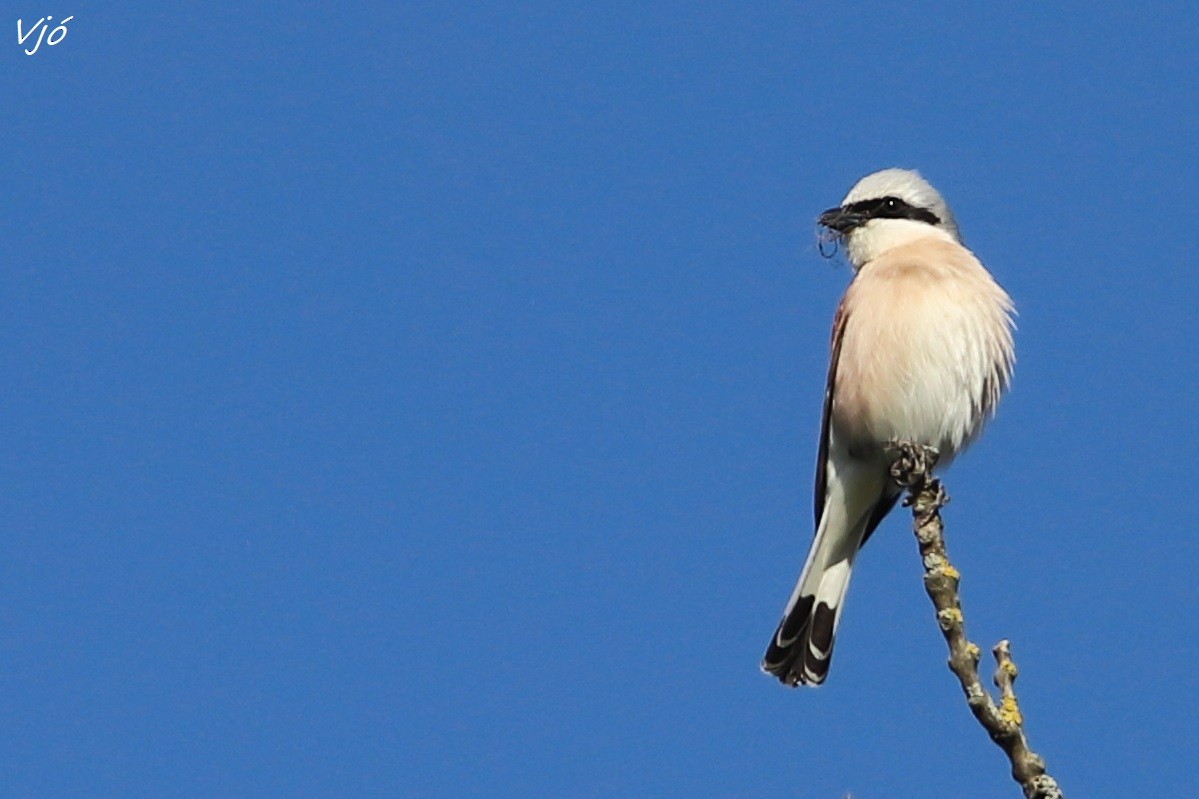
<point x="822" y="454"/>
<point x="891" y="495"/>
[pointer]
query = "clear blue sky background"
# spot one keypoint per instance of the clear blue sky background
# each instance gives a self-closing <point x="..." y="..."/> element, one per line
<point x="403" y="399"/>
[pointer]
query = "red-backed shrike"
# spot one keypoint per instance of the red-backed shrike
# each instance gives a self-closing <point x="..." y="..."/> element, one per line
<point x="922" y="350"/>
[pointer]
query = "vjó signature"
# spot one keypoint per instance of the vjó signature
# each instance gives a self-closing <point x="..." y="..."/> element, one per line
<point x="44" y="24"/>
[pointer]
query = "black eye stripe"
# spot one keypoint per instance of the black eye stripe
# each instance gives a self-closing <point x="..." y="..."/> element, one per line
<point x="892" y="208"/>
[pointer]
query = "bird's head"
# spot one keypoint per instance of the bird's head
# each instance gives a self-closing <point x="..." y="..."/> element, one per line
<point x="886" y="209"/>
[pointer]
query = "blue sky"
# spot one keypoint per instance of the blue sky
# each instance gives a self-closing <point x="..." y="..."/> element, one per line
<point x="409" y="400"/>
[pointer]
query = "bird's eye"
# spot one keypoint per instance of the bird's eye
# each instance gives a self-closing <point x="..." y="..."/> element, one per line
<point x="892" y="204"/>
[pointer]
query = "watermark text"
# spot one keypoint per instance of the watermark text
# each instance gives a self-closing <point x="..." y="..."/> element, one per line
<point x="43" y="24"/>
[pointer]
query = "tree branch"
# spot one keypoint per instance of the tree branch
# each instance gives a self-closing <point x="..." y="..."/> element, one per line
<point x="911" y="466"/>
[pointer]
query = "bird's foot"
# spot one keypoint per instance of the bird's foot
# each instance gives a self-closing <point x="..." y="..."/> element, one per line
<point x="911" y="463"/>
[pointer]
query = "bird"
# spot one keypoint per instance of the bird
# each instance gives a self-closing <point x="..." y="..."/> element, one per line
<point x="922" y="350"/>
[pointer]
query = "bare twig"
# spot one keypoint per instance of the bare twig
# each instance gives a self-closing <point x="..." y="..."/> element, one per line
<point x="912" y="466"/>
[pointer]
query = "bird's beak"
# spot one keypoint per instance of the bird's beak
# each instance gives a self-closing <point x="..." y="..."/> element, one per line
<point x="840" y="219"/>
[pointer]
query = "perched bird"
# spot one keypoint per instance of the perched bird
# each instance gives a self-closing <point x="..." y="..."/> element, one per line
<point x="921" y="351"/>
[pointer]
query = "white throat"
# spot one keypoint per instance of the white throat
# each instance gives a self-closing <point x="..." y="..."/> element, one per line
<point x="872" y="239"/>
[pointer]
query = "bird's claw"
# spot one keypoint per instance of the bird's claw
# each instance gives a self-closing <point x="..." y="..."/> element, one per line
<point x="910" y="463"/>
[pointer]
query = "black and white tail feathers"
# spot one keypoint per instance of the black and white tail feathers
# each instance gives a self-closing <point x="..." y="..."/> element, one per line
<point x="802" y="647"/>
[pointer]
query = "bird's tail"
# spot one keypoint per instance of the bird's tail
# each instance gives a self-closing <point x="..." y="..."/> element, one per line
<point x="802" y="646"/>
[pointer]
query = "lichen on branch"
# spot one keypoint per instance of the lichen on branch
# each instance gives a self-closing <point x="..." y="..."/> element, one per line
<point x="911" y="467"/>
